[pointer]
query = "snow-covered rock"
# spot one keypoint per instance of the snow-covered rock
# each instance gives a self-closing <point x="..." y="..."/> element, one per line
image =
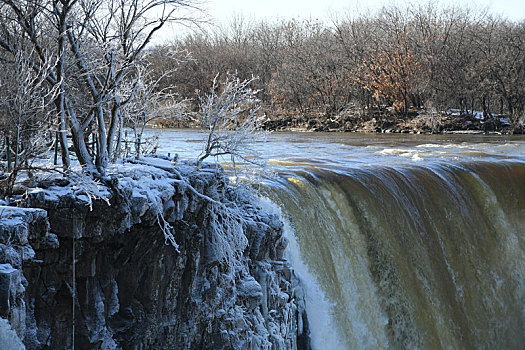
<point x="163" y="257"/>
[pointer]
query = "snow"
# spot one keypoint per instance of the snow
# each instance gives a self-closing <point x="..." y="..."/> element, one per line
<point x="477" y="115"/>
<point x="6" y="269"/>
<point x="10" y="221"/>
<point x="14" y="223"/>
<point x="250" y="288"/>
<point x="9" y="340"/>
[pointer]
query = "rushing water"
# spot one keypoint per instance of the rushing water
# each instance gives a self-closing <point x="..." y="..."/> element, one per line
<point x="402" y="241"/>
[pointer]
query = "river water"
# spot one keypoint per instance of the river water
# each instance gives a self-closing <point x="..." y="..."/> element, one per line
<point x="401" y="241"/>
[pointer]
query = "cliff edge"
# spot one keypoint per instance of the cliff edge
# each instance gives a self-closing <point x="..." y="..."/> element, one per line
<point x="162" y="256"/>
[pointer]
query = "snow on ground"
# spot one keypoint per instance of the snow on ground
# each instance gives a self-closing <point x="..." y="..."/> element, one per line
<point x="477" y="115"/>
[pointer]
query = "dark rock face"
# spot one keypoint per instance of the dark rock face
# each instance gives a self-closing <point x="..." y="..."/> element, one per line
<point x="227" y="287"/>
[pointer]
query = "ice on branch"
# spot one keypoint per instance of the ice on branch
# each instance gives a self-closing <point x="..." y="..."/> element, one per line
<point x="230" y="113"/>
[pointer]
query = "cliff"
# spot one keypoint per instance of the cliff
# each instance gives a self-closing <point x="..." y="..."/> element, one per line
<point x="162" y="257"/>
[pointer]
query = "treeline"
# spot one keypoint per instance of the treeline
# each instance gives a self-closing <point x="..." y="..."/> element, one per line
<point x="398" y="59"/>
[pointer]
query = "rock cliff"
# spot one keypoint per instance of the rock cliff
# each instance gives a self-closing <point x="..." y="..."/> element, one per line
<point x="161" y="258"/>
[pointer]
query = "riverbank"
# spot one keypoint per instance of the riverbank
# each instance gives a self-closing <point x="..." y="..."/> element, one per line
<point x="383" y="121"/>
<point x="389" y="122"/>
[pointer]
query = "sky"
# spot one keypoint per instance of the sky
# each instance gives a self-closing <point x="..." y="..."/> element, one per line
<point x="224" y="10"/>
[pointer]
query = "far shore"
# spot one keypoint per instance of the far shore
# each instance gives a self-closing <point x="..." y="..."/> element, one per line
<point x="379" y="123"/>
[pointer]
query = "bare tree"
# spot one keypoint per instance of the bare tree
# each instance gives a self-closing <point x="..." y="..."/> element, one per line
<point x="96" y="44"/>
<point x="146" y="101"/>
<point x="230" y="114"/>
<point x="504" y="76"/>
<point x="24" y="102"/>
<point x="408" y="58"/>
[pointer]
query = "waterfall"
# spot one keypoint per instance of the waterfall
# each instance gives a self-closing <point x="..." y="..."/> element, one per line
<point x="410" y="257"/>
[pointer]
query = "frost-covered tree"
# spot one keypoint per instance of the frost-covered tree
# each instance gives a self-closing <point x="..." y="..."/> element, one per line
<point x="230" y="113"/>
<point x="96" y="45"/>
<point x="146" y="100"/>
<point x="24" y="106"/>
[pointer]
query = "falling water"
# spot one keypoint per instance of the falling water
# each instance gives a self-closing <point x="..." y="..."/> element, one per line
<point x="415" y="256"/>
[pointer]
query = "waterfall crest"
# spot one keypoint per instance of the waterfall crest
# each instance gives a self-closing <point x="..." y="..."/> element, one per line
<point x="412" y="257"/>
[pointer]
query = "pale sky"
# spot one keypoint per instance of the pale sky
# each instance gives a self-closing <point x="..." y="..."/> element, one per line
<point x="223" y="10"/>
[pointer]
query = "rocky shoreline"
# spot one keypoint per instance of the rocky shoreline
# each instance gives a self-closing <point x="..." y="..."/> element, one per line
<point x="222" y="283"/>
<point x="382" y="122"/>
<point x="378" y="122"/>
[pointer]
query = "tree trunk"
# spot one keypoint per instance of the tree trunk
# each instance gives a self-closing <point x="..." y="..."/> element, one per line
<point x="17" y="145"/>
<point x="102" y="156"/>
<point x="60" y="103"/>
<point x="113" y="126"/>
<point x="78" y="136"/>
<point x="137" y="144"/>
<point x="119" y="140"/>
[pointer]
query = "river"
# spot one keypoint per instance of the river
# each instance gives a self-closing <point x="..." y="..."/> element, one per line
<point x="402" y="241"/>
